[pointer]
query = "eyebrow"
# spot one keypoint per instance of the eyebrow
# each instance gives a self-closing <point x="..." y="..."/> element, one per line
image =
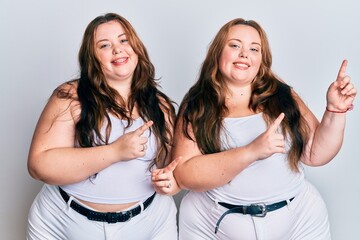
<point x="238" y="40"/>
<point x="105" y="39"/>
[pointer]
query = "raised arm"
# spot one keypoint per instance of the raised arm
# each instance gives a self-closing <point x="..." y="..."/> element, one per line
<point x="53" y="157"/>
<point x="327" y="136"/>
<point x="201" y="172"/>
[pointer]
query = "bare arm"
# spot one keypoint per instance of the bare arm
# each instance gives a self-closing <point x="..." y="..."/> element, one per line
<point x="201" y="172"/>
<point x="327" y="136"/>
<point x="54" y="159"/>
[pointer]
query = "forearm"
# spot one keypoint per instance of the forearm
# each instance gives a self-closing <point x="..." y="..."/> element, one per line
<point x="328" y="138"/>
<point x="69" y="165"/>
<point x="204" y="172"/>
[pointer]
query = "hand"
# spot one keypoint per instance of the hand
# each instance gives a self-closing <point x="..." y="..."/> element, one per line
<point x="132" y="144"/>
<point x="341" y="93"/>
<point x="163" y="179"/>
<point x="270" y="141"/>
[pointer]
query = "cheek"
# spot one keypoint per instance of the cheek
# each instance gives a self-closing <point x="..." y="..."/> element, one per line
<point x="256" y="63"/>
<point x="129" y="49"/>
<point x="136" y="59"/>
<point x="224" y="61"/>
<point x="257" y="59"/>
<point x="226" y="56"/>
<point x="101" y="58"/>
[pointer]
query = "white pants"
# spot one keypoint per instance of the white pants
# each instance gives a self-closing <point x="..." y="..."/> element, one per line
<point x="304" y="218"/>
<point x="51" y="218"/>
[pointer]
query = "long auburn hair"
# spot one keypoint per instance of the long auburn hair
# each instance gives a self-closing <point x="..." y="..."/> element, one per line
<point x="97" y="99"/>
<point x="203" y="106"/>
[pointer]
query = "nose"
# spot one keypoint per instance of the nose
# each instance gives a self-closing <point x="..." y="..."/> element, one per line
<point x="116" y="50"/>
<point x="243" y="53"/>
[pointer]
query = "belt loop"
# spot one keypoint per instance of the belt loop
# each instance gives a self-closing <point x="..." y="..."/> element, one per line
<point x="141" y="204"/>
<point x="288" y="205"/>
<point x="216" y="204"/>
<point x="69" y="202"/>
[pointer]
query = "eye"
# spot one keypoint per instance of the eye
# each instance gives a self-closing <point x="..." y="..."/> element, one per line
<point x="105" y="45"/>
<point x="254" y="49"/>
<point x="233" y="45"/>
<point x="123" y="41"/>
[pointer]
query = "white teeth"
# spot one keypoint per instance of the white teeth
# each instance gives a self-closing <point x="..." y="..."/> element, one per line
<point x="120" y="60"/>
<point x="241" y="65"/>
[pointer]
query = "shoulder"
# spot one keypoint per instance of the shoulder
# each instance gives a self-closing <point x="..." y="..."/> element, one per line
<point x="64" y="100"/>
<point x="67" y="90"/>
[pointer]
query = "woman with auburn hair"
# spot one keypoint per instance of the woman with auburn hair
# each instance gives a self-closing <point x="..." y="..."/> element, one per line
<point x="102" y="146"/>
<point x="244" y="135"/>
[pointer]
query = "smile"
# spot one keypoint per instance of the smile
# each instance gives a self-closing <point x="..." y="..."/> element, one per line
<point x="242" y="65"/>
<point x="120" y="60"/>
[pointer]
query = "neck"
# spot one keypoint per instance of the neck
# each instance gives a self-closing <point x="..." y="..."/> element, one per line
<point x="239" y="92"/>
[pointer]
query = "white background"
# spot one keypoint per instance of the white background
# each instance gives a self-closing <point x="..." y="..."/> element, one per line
<point x="38" y="51"/>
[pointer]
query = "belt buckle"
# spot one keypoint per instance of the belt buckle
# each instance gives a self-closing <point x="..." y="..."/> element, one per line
<point x="111" y="217"/>
<point x="263" y="209"/>
<point x="127" y="215"/>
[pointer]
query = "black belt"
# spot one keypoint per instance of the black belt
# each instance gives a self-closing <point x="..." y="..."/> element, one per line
<point x="110" y="217"/>
<point x="257" y="210"/>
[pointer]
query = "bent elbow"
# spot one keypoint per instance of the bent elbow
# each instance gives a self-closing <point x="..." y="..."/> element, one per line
<point x="32" y="171"/>
<point x="179" y="181"/>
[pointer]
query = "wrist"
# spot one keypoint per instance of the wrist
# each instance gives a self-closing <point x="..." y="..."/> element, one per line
<point x="112" y="154"/>
<point x="340" y="111"/>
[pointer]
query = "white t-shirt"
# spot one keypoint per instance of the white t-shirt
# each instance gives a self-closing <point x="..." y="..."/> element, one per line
<point x="269" y="180"/>
<point x="122" y="182"/>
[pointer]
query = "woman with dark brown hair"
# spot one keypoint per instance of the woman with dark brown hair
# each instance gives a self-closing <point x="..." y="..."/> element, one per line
<point x="243" y="135"/>
<point x="100" y="140"/>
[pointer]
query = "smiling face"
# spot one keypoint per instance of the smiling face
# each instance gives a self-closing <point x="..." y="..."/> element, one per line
<point x="241" y="56"/>
<point x="114" y="52"/>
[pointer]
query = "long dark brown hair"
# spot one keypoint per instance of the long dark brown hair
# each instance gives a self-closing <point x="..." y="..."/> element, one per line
<point x="203" y="107"/>
<point x="97" y="99"/>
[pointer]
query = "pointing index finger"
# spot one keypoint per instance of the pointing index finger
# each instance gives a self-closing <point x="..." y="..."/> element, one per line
<point x="144" y="127"/>
<point x="342" y="70"/>
<point x="277" y="122"/>
<point x="171" y="167"/>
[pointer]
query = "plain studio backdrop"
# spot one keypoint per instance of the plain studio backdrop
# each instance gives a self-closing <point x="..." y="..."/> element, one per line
<point x="309" y="39"/>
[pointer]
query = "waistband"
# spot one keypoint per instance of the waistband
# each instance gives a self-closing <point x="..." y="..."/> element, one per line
<point x="109" y="217"/>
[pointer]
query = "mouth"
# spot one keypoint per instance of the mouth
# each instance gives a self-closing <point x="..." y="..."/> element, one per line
<point x="120" y="60"/>
<point x="242" y="65"/>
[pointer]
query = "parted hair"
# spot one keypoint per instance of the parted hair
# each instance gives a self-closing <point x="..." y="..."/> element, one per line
<point x="203" y="107"/>
<point x="97" y="99"/>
